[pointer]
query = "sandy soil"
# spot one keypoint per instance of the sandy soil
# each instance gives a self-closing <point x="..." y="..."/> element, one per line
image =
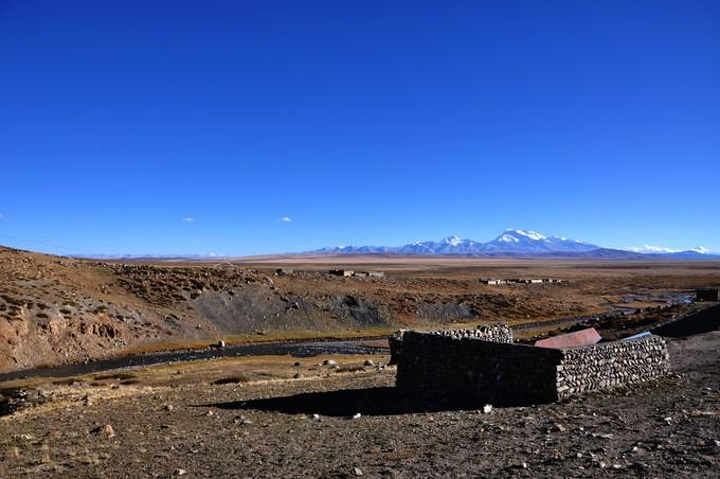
<point x="266" y="427"/>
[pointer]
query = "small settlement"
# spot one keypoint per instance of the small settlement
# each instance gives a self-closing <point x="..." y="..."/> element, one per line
<point x="496" y="282"/>
<point x="345" y="273"/>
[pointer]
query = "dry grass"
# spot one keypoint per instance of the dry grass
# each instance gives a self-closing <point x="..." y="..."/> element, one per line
<point x="226" y="370"/>
<point x="273" y="336"/>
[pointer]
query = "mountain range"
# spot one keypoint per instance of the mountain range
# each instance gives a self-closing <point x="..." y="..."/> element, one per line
<point x="520" y="243"/>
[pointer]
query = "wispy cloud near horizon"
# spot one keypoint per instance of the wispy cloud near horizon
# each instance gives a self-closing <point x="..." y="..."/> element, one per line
<point x="188" y="219"/>
<point x="285" y="219"/>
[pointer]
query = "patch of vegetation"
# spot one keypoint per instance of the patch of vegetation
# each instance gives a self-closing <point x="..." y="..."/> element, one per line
<point x="120" y="376"/>
<point x="67" y="382"/>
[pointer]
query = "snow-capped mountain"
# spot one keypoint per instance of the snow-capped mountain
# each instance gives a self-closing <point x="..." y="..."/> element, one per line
<point x="511" y="241"/>
<point x="649" y="249"/>
<point x="522" y="241"/>
<point x="516" y="242"/>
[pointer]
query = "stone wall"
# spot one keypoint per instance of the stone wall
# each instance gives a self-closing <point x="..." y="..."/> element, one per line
<point x="607" y="365"/>
<point x="707" y="319"/>
<point x="497" y="332"/>
<point x="479" y="371"/>
<point x="474" y="370"/>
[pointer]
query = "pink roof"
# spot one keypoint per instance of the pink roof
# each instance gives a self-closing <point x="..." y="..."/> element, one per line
<point x="586" y="337"/>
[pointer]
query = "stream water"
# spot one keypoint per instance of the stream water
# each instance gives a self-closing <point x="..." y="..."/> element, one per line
<point x="299" y="348"/>
<point x="306" y="348"/>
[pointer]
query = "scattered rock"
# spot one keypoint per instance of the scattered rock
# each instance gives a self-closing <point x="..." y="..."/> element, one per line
<point x="487" y="409"/>
<point x="713" y="446"/>
<point x="329" y="362"/>
<point x="169" y="407"/>
<point x="298" y="376"/>
<point x="357" y="416"/>
<point x="242" y="420"/>
<point x="357" y="471"/>
<point x="369" y="363"/>
<point x="106" y="430"/>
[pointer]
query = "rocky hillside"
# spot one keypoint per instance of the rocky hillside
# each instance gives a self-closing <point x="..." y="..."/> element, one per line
<point x="55" y="310"/>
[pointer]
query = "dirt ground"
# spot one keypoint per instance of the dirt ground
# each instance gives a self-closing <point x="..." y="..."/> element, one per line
<point x="349" y="421"/>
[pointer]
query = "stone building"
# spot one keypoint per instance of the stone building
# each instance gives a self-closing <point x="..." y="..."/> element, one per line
<point x="341" y="272"/>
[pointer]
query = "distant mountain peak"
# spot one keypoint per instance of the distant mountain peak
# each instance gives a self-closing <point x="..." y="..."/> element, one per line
<point x="511" y="241"/>
<point x="507" y="238"/>
<point x="533" y="235"/>
<point x="452" y="240"/>
<point x="520" y="243"/>
<point x="650" y="249"/>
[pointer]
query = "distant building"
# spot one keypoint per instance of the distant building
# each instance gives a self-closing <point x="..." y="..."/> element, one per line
<point x="496" y="282"/>
<point x="707" y="294"/>
<point x="341" y="272"/>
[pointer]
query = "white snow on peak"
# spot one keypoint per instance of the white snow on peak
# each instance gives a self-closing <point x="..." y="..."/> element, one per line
<point x="507" y="238"/>
<point x="652" y="249"/>
<point x="533" y="235"/>
<point x="452" y="240"/>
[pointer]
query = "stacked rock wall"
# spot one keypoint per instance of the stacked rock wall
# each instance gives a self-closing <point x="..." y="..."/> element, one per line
<point x="497" y="332"/>
<point x="702" y="321"/>
<point x="474" y="370"/>
<point x="479" y="371"/>
<point x="613" y="364"/>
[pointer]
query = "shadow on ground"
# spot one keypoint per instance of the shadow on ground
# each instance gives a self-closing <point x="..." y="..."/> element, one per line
<point x="380" y="401"/>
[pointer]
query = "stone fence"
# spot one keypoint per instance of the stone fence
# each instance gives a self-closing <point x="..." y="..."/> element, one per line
<point x="606" y="365"/>
<point x="501" y="373"/>
<point x="496" y="332"/>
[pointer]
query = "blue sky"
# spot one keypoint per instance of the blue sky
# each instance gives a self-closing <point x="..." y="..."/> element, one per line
<point x="196" y="127"/>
